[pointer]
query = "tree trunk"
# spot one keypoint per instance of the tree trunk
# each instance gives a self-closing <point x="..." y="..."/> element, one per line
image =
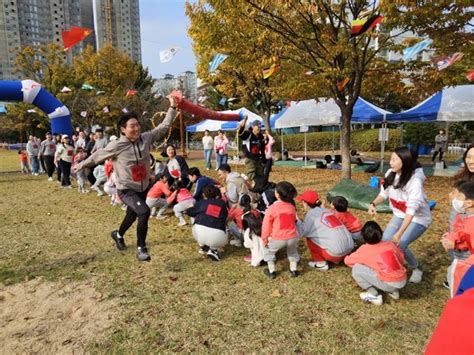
<point x="266" y="119"/>
<point x="346" y="142"/>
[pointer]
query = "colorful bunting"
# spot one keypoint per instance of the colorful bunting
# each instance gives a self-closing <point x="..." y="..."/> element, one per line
<point x="32" y="110"/>
<point x="411" y="52"/>
<point x="74" y="35"/>
<point x="105" y="109"/>
<point x="470" y="75"/>
<point x="216" y="61"/>
<point x="222" y="101"/>
<point x="65" y="90"/>
<point x="131" y="92"/>
<point x="86" y="86"/>
<point x="360" y="26"/>
<point x="84" y="113"/>
<point x="168" y="54"/>
<point x="342" y="84"/>
<point x="443" y="62"/>
<point x="268" y="72"/>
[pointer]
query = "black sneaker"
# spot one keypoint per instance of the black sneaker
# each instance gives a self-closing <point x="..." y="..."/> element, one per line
<point x="446" y="284"/>
<point x="294" y="273"/>
<point x="119" y="242"/>
<point x="203" y="250"/>
<point x="142" y="254"/>
<point x="269" y="274"/>
<point x="213" y="255"/>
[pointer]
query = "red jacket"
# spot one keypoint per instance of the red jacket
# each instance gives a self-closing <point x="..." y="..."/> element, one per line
<point x="159" y="190"/>
<point x="385" y="258"/>
<point x="279" y="222"/>
<point x="463" y="233"/>
<point x="351" y="222"/>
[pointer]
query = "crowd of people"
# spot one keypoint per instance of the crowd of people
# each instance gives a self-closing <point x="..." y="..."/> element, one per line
<point x="248" y="210"/>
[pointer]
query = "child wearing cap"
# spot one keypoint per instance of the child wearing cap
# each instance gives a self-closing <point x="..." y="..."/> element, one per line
<point x="377" y="265"/>
<point x="327" y="238"/>
<point x="351" y="222"/>
<point x="279" y="230"/>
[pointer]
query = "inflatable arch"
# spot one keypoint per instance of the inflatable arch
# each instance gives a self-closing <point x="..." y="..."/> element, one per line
<point x="31" y="92"/>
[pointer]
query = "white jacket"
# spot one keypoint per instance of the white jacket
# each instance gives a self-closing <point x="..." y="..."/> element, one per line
<point x="409" y="200"/>
<point x="255" y="244"/>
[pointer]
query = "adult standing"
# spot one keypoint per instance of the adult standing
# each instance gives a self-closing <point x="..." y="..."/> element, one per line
<point x="207" y="145"/>
<point x="269" y="141"/>
<point x="253" y="144"/>
<point x="47" y="152"/>
<point x="441" y="145"/>
<point x="63" y="157"/>
<point x="42" y="167"/>
<point x="32" y="149"/>
<point x="220" y="146"/>
<point x="176" y="166"/>
<point x="130" y="156"/>
<point x="403" y="187"/>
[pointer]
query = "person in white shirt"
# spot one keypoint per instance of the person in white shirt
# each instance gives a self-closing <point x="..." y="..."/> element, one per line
<point x="208" y="145"/>
<point x="403" y="187"/>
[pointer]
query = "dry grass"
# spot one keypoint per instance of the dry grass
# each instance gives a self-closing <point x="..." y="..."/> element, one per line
<point x="183" y="302"/>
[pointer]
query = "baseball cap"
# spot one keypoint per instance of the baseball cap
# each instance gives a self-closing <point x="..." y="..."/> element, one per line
<point x="308" y="196"/>
<point x="64" y="136"/>
<point x="256" y="123"/>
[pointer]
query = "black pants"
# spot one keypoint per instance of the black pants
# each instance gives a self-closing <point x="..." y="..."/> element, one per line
<point x="267" y="169"/>
<point x="49" y="164"/>
<point x="90" y="175"/>
<point x="435" y="153"/>
<point x="136" y="209"/>
<point x="41" y="161"/>
<point x="65" y="168"/>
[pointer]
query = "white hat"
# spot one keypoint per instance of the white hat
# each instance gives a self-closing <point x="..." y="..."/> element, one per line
<point x="64" y="136"/>
<point x="113" y="137"/>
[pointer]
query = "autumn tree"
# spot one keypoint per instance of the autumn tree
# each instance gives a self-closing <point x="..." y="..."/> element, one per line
<point x="316" y="36"/>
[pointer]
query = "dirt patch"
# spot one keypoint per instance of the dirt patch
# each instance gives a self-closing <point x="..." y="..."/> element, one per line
<point x="51" y="317"/>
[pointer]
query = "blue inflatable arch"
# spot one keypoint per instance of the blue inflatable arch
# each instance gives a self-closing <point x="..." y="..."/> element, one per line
<point x="31" y="92"/>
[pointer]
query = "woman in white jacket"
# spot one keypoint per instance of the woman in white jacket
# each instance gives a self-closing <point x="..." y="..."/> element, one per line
<point x="403" y="187"/>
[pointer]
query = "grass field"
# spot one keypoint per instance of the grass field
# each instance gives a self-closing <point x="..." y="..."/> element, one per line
<point x="180" y="301"/>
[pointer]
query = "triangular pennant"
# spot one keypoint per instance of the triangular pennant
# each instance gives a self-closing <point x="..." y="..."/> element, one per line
<point x="360" y="26"/>
<point x="168" y="54"/>
<point x="216" y="61"/>
<point x="124" y="110"/>
<point x="131" y="92"/>
<point x="268" y="72"/>
<point x="74" y="36"/>
<point x="444" y="62"/>
<point x="411" y="52"/>
<point x="31" y="110"/>
<point x="105" y="109"/>
<point x="342" y="84"/>
<point x="86" y="86"/>
<point x="84" y="113"/>
<point x="65" y="90"/>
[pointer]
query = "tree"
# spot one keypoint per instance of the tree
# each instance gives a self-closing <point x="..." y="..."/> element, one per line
<point x="315" y="35"/>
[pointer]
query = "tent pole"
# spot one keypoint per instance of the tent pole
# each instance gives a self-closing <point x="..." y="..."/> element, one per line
<point x="333" y="138"/>
<point x="282" y="148"/>
<point x="305" y="156"/>
<point x="382" y="146"/>
<point x="187" y="141"/>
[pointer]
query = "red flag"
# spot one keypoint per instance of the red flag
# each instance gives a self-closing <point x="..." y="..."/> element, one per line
<point x="470" y="75"/>
<point x="131" y="92"/>
<point x="361" y="26"/>
<point x="342" y="84"/>
<point x="74" y="36"/>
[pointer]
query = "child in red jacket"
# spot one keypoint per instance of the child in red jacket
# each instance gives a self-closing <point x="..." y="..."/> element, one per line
<point x="377" y="265"/>
<point x="351" y="222"/>
<point x="462" y="236"/>
<point x="279" y="229"/>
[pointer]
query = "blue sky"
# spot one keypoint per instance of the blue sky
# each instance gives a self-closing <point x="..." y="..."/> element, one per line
<point x="163" y="25"/>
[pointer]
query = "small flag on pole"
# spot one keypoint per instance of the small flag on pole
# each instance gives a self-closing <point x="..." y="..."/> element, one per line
<point x="268" y="72"/>
<point x="168" y="54"/>
<point x="361" y="26"/>
<point x="216" y="61"/>
<point x="84" y="113"/>
<point x="74" y="35"/>
<point x="411" y="52"/>
<point x="131" y="92"/>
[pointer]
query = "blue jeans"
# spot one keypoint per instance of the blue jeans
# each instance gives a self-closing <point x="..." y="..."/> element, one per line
<point x="34" y="164"/>
<point x="207" y="158"/>
<point x="412" y="233"/>
<point x="221" y="159"/>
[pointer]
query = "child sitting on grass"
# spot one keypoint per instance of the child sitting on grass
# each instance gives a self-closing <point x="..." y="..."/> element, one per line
<point x="183" y="198"/>
<point x="279" y="230"/>
<point x="377" y="266"/>
<point x="462" y="236"/>
<point x="351" y="222"/>
<point x="326" y="237"/>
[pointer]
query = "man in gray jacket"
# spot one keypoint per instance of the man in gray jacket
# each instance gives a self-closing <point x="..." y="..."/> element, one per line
<point x="130" y="156"/>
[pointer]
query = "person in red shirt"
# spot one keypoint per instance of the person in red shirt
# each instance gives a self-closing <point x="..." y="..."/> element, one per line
<point x="24" y="168"/>
<point x="156" y="196"/>
<point x="279" y="229"/>
<point x="377" y="265"/>
<point x="351" y="222"/>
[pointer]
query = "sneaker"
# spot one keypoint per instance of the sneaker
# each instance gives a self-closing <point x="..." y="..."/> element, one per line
<point x="160" y="216"/>
<point x="213" y="255"/>
<point x="271" y="275"/>
<point x="294" y="273"/>
<point x="50" y="179"/>
<point x="368" y="297"/>
<point x="142" y="254"/>
<point x="69" y="187"/>
<point x="182" y="223"/>
<point x="248" y="258"/>
<point x="203" y="250"/>
<point x="119" y="242"/>
<point x="235" y="243"/>
<point x="100" y="193"/>
<point x="446" y="284"/>
<point x="36" y="174"/>
<point x="319" y="265"/>
<point x="394" y="295"/>
<point x="416" y="276"/>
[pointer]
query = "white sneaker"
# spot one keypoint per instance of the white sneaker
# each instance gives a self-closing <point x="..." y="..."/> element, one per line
<point x="182" y="223"/>
<point x="69" y="187"/>
<point x="368" y="297"/>
<point x="235" y="243"/>
<point x="319" y="265"/>
<point x="395" y="294"/>
<point x="50" y="179"/>
<point x="36" y="174"/>
<point x="416" y="276"/>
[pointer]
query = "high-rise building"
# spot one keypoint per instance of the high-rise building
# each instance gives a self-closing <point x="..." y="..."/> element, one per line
<point x="117" y="22"/>
<point x="165" y="85"/>
<point x="185" y="82"/>
<point x="39" y="22"/>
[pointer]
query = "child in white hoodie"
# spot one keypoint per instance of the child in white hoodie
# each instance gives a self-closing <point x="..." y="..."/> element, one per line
<point x="403" y="187"/>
